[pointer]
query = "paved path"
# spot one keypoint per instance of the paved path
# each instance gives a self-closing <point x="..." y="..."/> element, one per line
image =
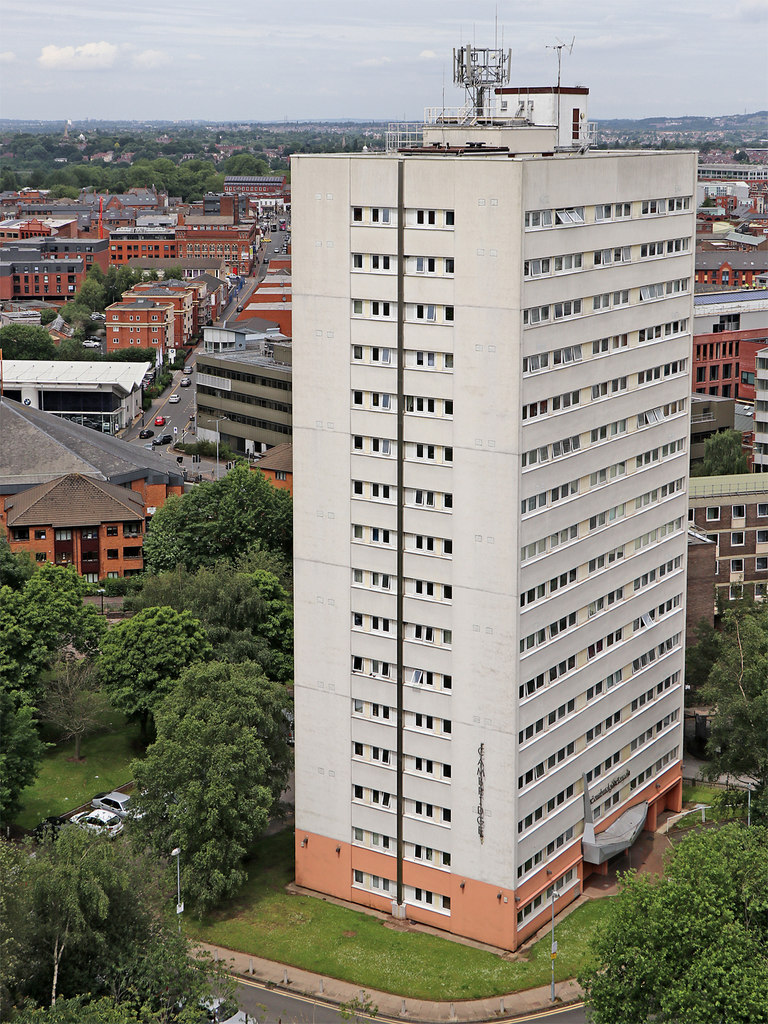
<point x="309" y="984"/>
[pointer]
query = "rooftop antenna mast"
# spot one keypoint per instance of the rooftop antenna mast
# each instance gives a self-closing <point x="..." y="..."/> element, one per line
<point x="478" y="70"/>
<point x="559" y="47"/>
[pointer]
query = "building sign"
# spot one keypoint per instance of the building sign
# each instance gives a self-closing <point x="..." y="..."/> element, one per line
<point x="611" y="785"/>
<point x="480" y="791"/>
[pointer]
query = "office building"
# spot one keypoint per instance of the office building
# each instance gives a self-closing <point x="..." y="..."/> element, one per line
<point x="492" y="326"/>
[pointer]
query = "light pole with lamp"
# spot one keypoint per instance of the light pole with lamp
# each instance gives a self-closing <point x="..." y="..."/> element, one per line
<point x="553" y="953"/>
<point x="101" y="592"/>
<point x="179" y="905"/>
<point x="218" y="438"/>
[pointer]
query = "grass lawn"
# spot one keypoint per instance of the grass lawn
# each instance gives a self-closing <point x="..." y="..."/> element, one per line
<point x="699" y="794"/>
<point x="63" y="784"/>
<point x="318" y="936"/>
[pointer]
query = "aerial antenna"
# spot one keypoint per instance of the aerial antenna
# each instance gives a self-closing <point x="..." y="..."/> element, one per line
<point x="559" y="47"/>
<point x="478" y="70"/>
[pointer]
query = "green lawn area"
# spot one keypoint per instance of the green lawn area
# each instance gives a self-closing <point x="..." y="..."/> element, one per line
<point x="63" y="784"/>
<point x="699" y="794"/>
<point x="322" y="937"/>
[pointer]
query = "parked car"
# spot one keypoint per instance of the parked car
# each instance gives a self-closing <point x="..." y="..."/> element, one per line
<point x="174" y="399"/>
<point x="91" y="344"/>
<point x="146" y="432"/>
<point x="239" y="309"/>
<point x="48" y="828"/>
<point x="98" y="316"/>
<point x="162" y="439"/>
<point x="103" y="823"/>
<point x="159" y="421"/>
<point x="185" y="382"/>
<point x="117" y="803"/>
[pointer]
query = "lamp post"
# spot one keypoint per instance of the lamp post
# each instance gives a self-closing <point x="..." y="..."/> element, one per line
<point x="101" y="592"/>
<point x="553" y="953"/>
<point x="218" y="438"/>
<point x="179" y="905"/>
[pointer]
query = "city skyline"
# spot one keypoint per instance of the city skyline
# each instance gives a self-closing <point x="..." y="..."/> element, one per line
<point x="205" y="62"/>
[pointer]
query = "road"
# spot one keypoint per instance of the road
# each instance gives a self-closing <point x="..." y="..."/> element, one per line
<point x="270" y="1006"/>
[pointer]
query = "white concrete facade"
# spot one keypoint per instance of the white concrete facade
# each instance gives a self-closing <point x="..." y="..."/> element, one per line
<point x="543" y="308"/>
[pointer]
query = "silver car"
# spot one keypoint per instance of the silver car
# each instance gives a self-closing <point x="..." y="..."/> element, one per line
<point x="117" y="803"/>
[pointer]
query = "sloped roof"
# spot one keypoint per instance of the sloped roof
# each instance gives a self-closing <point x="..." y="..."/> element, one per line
<point x="38" y="446"/>
<point x="74" y="500"/>
<point x="278" y="458"/>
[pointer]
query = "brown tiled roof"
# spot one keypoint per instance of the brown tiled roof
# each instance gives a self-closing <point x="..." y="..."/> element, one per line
<point x="74" y="500"/>
<point x="278" y="458"/>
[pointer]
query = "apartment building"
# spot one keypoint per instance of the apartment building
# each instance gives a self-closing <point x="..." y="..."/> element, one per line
<point x="491" y="418"/>
<point x="732" y="511"/>
<point x="143" y="323"/>
<point x="729" y="330"/>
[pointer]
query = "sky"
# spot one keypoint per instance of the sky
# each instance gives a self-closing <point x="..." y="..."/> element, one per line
<point x="254" y="60"/>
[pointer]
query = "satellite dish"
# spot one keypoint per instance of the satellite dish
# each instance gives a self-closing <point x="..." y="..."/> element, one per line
<point x="27" y="401"/>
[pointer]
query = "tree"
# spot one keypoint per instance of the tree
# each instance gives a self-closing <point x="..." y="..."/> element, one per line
<point x="23" y="341"/>
<point x="21" y="751"/>
<point x="142" y="657"/>
<point x="214" y="775"/>
<point x="42" y="619"/>
<point x="689" y="947"/>
<point x="219" y="520"/>
<point x="723" y="455"/>
<point x="95" y="928"/>
<point x="13" y="922"/>
<point x="73" y="701"/>
<point x="15" y="569"/>
<point x="701" y="656"/>
<point x="737" y="690"/>
<point x="245" y="608"/>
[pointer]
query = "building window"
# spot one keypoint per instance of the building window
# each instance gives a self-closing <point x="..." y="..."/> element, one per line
<point x="738" y="511"/>
<point x="737" y="565"/>
<point x="713" y="513"/>
<point x="20" y="533"/>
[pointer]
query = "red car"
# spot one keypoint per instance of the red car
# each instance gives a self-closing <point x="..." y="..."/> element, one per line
<point x="159" y="421"/>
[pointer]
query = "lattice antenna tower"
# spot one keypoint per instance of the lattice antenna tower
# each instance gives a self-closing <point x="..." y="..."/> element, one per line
<point x="480" y="69"/>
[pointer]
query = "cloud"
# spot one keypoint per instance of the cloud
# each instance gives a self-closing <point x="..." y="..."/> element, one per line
<point x="7" y="57"/>
<point x="150" y="59"/>
<point x="428" y="55"/>
<point x="373" y="62"/>
<point x="88" y="57"/>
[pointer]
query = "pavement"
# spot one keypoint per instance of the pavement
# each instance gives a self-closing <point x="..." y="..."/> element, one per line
<point x="307" y="983"/>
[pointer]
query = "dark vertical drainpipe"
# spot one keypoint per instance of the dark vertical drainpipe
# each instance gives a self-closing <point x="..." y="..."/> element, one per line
<point x="400" y="536"/>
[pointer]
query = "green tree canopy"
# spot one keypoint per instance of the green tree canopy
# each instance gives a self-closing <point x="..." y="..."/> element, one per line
<point x="737" y="690"/>
<point x="90" y="923"/>
<point x="21" y="752"/>
<point x="723" y="455"/>
<point x="689" y="948"/>
<point x="23" y="341"/>
<point x="15" y="569"/>
<point x="223" y="519"/>
<point x="245" y="609"/>
<point x="142" y="657"/>
<point x="214" y="775"/>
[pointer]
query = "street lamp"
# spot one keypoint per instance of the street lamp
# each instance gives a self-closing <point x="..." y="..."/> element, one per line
<point x="179" y="905"/>
<point x="553" y="953"/>
<point x="218" y="438"/>
<point x="101" y="592"/>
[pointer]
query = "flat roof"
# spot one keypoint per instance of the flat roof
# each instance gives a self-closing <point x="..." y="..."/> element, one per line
<point x="722" y="486"/>
<point x="721" y="298"/>
<point x="60" y="372"/>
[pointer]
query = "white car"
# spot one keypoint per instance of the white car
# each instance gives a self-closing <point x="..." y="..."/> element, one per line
<point x="174" y="399"/>
<point x="91" y="344"/>
<point x="104" y="823"/>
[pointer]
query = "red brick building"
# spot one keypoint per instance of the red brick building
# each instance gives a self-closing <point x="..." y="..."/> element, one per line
<point x="729" y="329"/>
<point x="98" y="527"/>
<point x="51" y="269"/>
<point x="129" y="243"/>
<point x="730" y="269"/>
<point x="260" y="187"/>
<point x="277" y="466"/>
<point x="84" y="497"/>
<point x="140" y="322"/>
<point x="181" y="296"/>
<point x="221" y="236"/>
